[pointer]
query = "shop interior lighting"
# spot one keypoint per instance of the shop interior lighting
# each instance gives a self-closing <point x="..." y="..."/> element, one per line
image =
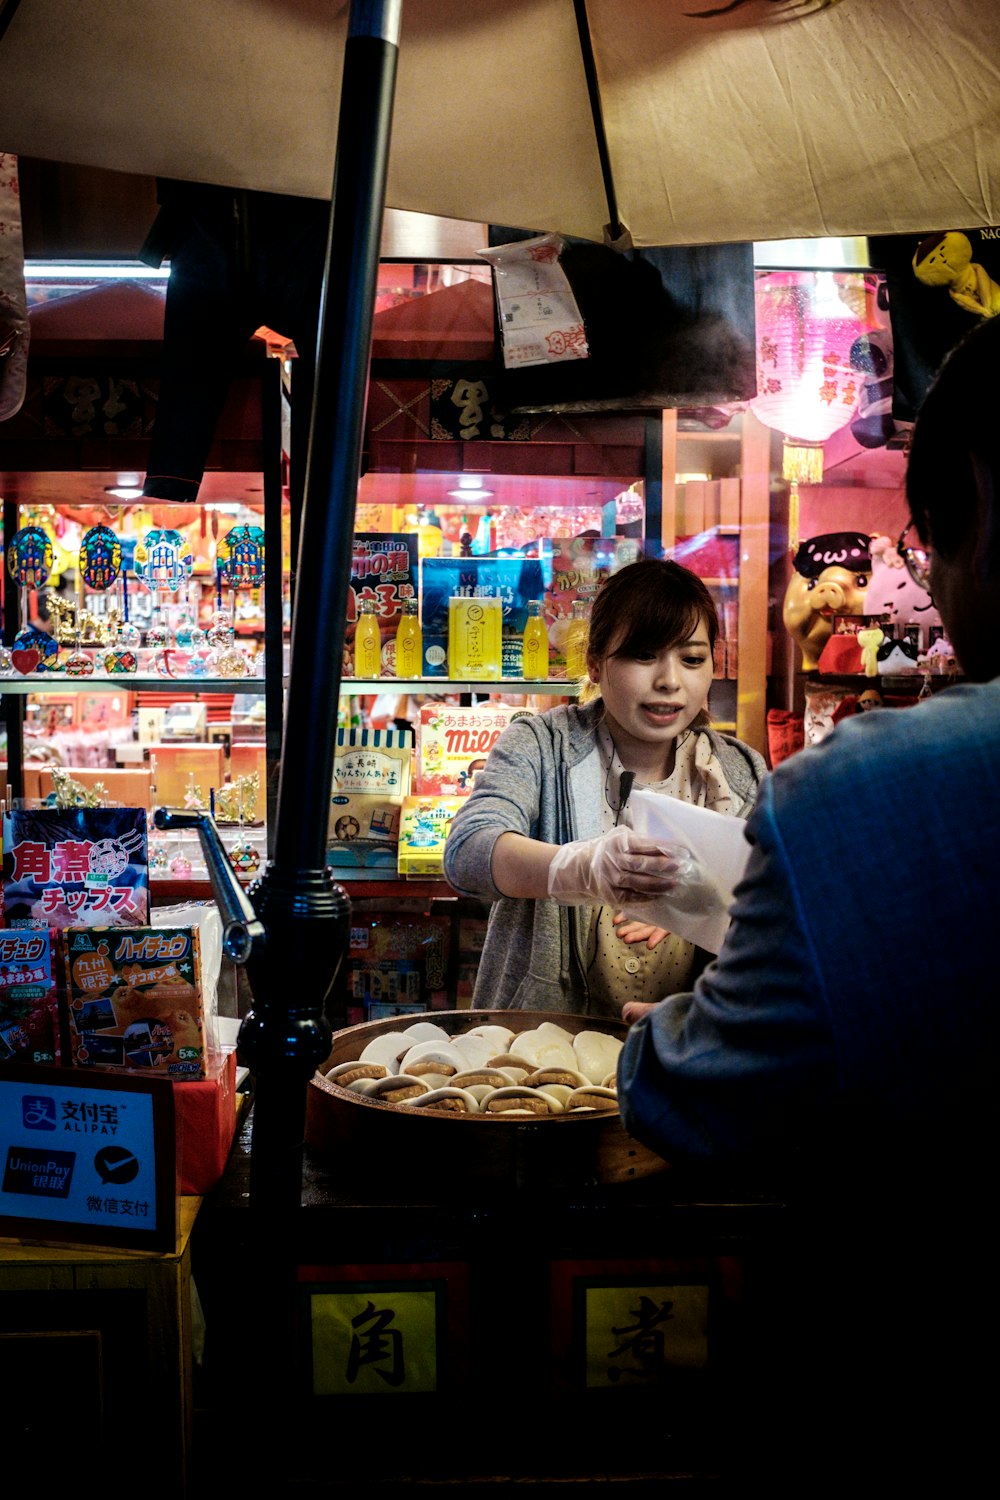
<point x="93" y="270"/>
<point x="470" y="487"/>
<point x="124" y="491"/>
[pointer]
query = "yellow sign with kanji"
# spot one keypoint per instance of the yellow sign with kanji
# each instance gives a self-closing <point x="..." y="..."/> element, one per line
<point x="640" y="1335"/>
<point x="374" y="1341"/>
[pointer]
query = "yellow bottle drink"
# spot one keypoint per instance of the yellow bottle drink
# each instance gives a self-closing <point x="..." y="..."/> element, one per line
<point x="367" y="642"/>
<point x="576" y="639"/>
<point x="535" y="651"/>
<point x="475" y="627"/>
<point x="409" y="642"/>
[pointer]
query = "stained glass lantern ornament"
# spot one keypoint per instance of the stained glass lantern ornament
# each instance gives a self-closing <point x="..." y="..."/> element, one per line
<point x="163" y="559"/>
<point x="29" y="557"/>
<point x="807" y="388"/>
<point x="100" y="558"/>
<point x="240" y="557"/>
<point x="129" y="637"/>
<point x="243" y="857"/>
<point x="120" y="662"/>
<point x="79" y="663"/>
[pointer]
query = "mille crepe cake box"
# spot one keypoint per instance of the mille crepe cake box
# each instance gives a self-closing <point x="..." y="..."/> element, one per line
<point x="134" y="1000"/>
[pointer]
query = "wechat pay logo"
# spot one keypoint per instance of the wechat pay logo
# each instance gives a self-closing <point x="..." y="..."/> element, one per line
<point x="38" y="1112"/>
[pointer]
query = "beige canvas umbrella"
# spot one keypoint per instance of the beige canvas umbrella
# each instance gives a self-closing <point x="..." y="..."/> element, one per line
<point x="769" y="120"/>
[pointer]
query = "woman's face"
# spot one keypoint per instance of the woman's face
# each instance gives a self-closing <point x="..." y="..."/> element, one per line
<point x="651" y="699"/>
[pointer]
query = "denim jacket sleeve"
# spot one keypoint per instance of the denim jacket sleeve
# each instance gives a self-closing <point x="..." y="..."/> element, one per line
<point x="729" y="1070"/>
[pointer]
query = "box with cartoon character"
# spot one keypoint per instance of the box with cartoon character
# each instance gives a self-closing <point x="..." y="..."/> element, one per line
<point x="134" y="1000"/>
<point x="28" y="1027"/>
<point x="75" y="867"/>
<point x="422" y="832"/>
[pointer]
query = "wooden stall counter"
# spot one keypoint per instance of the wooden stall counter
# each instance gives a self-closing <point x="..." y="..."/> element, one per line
<point x="508" y="1334"/>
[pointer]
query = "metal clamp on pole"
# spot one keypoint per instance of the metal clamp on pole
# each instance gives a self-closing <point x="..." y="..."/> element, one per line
<point x="241" y="928"/>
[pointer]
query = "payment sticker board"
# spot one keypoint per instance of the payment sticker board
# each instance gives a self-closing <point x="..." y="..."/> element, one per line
<point x="87" y="1161"/>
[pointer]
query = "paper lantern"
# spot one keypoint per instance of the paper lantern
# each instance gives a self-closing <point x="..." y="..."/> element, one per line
<point x="807" y="388"/>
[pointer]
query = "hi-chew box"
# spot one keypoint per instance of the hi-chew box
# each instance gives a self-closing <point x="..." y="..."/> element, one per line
<point x="28" y="1027"/>
<point x="134" y="1000"/>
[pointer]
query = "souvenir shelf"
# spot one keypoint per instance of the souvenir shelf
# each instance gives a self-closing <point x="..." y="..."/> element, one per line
<point x="439" y="686"/>
<point x="161" y="568"/>
<point x="715" y="520"/>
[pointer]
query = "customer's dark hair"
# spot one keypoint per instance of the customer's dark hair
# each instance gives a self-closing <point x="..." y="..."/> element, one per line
<point x="657" y="603"/>
<point x="957" y="432"/>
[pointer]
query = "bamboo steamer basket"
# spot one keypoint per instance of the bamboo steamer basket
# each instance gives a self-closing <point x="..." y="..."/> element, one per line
<point x="389" y="1151"/>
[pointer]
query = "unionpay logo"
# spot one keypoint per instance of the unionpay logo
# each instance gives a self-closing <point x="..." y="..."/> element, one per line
<point x="38" y="1112"/>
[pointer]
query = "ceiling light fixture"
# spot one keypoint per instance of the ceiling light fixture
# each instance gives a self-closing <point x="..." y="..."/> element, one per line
<point x="470" y="487"/>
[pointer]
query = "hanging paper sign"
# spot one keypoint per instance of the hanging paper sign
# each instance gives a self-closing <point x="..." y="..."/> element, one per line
<point x="163" y="560"/>
<point x="240" y="556"/>
<point x="29" y="557"/>
<point x="100" y="557"/>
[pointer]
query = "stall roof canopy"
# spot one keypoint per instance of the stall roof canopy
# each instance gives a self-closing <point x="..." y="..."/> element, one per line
<point x="455" y="323"/>
<point x="766" y="121"/>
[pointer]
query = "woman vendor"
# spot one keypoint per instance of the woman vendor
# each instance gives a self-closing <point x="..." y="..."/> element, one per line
<point x="546" y="833"/>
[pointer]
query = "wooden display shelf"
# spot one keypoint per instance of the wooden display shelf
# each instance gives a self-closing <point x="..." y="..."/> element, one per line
<point x="441" y="686"/>
<point x="128" y="682"/>
<point x="361" y="885"/>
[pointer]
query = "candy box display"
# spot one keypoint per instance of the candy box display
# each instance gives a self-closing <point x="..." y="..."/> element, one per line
<point x="514" y="580"/>
<point x="28" y="1027"/>
<point x="383" y="570"/>
<point x="453" y="742"/>
<point x="578" y="566"/>
<point x="379" y="1147"/>
<point x="402" y="963"/>
<point x="134" y="1000"/>
<point x="423" y="828"/>
<point x="371" y="777"/>
<point x="73" y="866"/>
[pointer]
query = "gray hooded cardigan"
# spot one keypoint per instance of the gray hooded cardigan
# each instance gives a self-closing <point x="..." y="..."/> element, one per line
<point x="544" y="778"/>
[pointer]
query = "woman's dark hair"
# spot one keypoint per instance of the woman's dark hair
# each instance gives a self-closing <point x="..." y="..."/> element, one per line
<point x="957" y="429"/>
<point x="657" y="602"/>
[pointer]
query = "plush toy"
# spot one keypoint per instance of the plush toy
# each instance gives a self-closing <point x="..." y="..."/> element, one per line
<point x="831" y="577"/>
<point x="892" y="591"/>
<point x="946" y="260"/>
<point x="869" y="641"/>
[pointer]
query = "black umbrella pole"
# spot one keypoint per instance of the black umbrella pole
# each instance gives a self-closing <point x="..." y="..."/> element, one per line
<point x="306" y="916"/>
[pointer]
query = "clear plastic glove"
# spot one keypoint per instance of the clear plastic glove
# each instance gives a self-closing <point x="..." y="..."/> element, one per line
<point x="619" y="869"/>
<point x="694" y="890"/>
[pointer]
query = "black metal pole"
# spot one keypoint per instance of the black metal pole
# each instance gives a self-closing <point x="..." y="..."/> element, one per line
<point x="306" y="916"/>
<point x="274" y="604"/>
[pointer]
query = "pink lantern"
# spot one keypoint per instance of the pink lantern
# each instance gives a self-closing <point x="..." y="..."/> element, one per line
<point x="807" y="388"/>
